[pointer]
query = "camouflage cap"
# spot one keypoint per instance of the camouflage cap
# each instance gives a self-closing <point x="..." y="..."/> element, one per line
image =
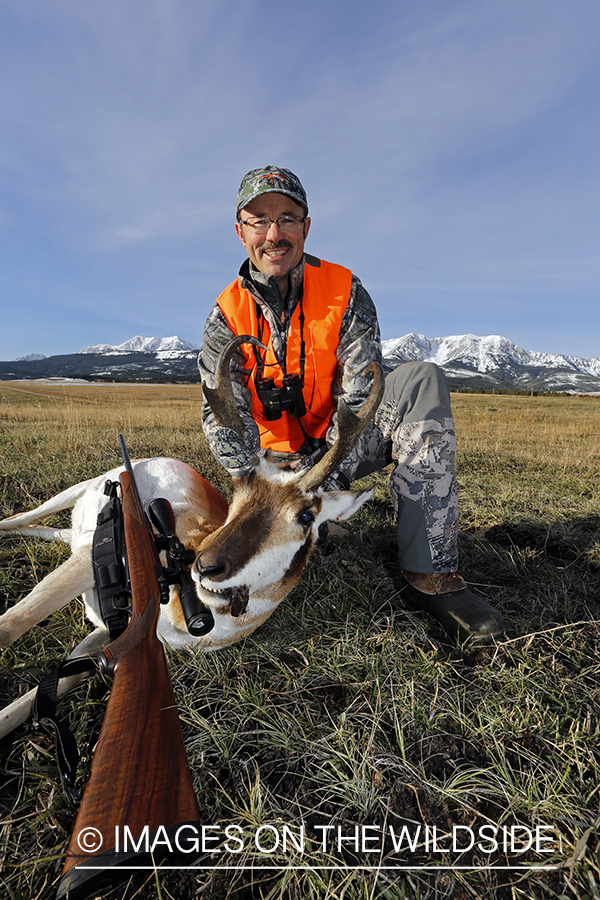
<point x="270" y="180"/>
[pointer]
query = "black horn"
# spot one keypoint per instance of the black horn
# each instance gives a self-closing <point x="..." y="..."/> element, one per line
<point x="220" y="398"/>
<point x="350" y="428"/>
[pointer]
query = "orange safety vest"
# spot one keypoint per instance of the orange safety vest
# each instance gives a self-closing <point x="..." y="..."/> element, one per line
<point x="326" y="292"/>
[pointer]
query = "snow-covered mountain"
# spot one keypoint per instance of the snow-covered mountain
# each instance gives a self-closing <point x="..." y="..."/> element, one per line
<point x="496" y="360"/>
<point x="469" y="362"/>
<point x="139" y="344"/>
<point x="141" y="359"/>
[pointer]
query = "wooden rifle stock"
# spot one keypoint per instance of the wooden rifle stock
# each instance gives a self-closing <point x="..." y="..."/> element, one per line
<point x="139" y="801"/>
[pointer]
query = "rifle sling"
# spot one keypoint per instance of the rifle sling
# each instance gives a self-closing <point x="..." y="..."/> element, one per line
<point x="112" y="588"/>
<point x="44" y="712"/>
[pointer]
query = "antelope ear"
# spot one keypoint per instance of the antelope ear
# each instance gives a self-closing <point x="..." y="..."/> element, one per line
<point x="339" y="505"/>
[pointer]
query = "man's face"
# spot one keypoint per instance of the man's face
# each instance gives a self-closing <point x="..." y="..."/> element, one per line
<point x="276" y="252"/>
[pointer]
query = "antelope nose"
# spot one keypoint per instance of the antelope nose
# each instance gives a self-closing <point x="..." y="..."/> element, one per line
<point x="209" y="571"/>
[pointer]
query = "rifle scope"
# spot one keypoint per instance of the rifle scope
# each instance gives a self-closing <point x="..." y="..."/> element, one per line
<point x="198" y="618"/>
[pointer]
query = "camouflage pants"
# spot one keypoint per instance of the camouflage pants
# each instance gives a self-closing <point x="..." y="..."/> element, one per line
<point x="414" y="429"/>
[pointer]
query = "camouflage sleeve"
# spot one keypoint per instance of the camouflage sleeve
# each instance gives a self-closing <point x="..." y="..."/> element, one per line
<point x="237" y="456"/>
<point x="360" y="344"/>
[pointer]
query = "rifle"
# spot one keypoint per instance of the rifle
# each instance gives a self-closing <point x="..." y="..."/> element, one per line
<point x="138" y="805"/>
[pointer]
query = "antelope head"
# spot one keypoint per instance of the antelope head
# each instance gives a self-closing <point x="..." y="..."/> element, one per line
<point x="249" y="564"/>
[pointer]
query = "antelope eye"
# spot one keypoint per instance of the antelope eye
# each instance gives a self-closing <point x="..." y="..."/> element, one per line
<point x="306" y="517"/>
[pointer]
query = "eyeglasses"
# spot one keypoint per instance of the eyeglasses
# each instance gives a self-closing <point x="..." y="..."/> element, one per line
<point x="284" y="223"/>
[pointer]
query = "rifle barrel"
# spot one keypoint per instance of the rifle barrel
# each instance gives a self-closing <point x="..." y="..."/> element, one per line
<point x="125" y="453"/>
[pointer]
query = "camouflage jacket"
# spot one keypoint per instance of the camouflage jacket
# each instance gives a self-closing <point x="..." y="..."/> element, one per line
<point x="359" y="344"/>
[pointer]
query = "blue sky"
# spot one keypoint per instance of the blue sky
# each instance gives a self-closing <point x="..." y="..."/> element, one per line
<point x="450" y="150"/>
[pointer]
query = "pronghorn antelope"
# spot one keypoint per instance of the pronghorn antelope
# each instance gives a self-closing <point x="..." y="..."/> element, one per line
<point x="248" y="555"/>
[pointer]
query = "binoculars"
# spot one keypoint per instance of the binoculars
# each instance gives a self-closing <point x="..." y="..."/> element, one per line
<point x="287" y="398"/>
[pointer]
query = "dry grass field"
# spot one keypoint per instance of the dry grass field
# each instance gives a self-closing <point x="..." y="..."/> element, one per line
<point x="345" y="710"/>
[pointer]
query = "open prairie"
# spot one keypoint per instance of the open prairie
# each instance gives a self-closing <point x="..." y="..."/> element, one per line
<point x="345" y="714"/>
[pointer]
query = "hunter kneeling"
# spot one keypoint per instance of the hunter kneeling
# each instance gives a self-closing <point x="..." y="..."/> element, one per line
<point x="320" y="334"/>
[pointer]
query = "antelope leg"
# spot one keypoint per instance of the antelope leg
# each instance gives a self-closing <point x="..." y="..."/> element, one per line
<point x="71" y="579"/>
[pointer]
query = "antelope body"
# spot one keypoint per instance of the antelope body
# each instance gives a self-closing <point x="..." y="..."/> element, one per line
<point x="248" y="556"/>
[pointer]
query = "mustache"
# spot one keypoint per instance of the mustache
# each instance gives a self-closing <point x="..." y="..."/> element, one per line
<point x="275" y="245"/>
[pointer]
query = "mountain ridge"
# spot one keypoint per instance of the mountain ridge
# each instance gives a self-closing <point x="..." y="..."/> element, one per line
<point x="139" y="344"/>
<point x="471" y="362"/>
<point x="484" y="355"/>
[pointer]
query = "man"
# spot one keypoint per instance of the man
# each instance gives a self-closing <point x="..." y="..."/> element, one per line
<point x="321" y="326"/>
